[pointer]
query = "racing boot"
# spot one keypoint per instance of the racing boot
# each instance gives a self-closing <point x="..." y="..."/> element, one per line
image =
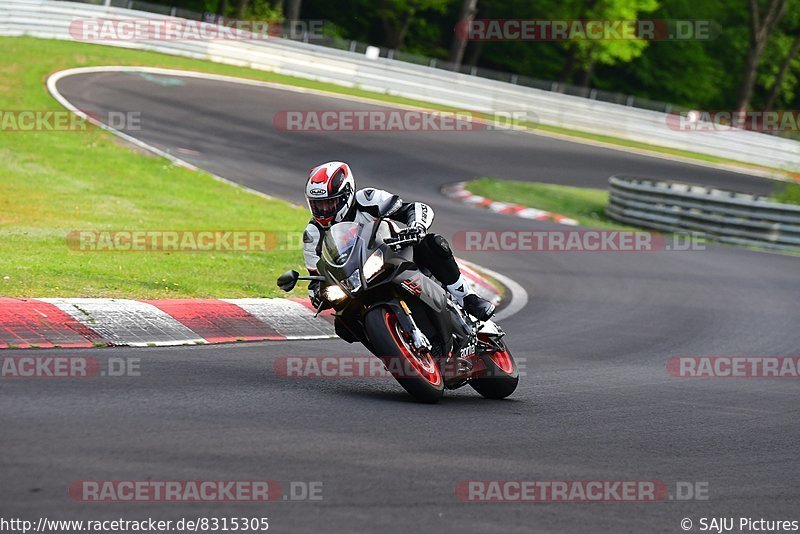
<point x="473" y="304"/>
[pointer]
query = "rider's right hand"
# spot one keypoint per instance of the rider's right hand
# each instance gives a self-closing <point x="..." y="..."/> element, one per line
<point x="314" y="294"/>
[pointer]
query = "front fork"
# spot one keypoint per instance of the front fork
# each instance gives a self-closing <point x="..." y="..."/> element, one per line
<point x="456" y="368"/>
<point x="418" y="338"/>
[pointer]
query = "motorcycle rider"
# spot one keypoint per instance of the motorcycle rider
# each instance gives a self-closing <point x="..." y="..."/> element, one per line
<point x="332" y="198"/>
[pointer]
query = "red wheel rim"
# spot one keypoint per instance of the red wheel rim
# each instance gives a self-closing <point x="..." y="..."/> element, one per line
<point x="425" y="366"/>
<point x="503" y="360"/>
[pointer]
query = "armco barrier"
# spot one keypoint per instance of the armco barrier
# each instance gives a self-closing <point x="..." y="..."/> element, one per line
<point x="52" y="18"/>
<point x="721" y="215"/>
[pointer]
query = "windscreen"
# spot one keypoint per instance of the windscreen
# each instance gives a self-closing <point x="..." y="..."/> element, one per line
<point x="339" y="243"/>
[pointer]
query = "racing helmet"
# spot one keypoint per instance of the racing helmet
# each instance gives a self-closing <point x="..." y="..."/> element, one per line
<point x="330" y="191"/>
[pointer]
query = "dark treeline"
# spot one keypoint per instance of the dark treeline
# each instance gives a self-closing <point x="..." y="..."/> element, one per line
<point x="752" y="59"/>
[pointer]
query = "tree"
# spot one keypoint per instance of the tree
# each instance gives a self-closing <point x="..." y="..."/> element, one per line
<point x="396" y="17"/>
<point x="241" y="8"/>
<point x="777" y="86"/>
<point x="787" y="45"/>
<point x="459" y="42"/>
<point x="589" y="53"/>
<point x="293" y="9"/>
<point x="538" y="59"/>
<point x="572" y="48"/>
<point x="761" y="27"/>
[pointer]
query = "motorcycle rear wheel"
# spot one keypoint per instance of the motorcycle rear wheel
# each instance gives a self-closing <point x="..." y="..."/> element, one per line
<point x="501" y="376"/>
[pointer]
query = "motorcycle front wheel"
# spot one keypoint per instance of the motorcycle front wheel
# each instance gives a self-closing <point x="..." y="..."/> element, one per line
<point x="415" y="371"/>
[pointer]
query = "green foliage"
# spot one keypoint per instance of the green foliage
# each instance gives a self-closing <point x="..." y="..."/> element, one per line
<point x="56" y="182"/>
<point x="789" y="194"/>
<point x="612" y="51"/>
<point x="263" y="10"/>
<point x="418" y="26"/>
<point x="693" y="73"/>
<point x="775" y="55"/>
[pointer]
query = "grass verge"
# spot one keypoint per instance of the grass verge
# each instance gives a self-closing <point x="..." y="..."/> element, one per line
<point x="585" y="205"/>
<point x="57" y="182"/>
<point x="788" y="194"/>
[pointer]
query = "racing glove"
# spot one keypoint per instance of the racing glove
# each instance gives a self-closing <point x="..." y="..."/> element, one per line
<point x="416" y="232"/>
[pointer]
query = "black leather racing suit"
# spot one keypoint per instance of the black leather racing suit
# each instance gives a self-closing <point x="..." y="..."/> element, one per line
<point x="432" y="253"/>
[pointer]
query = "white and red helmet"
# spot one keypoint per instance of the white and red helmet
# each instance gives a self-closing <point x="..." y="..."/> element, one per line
<point x="330" y="191"/>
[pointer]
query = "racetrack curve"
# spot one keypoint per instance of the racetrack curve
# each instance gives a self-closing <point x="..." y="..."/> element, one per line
<point x="597" y="402"/>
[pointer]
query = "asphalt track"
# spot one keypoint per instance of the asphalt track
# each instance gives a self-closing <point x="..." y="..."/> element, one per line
<point x="596" y="402"/>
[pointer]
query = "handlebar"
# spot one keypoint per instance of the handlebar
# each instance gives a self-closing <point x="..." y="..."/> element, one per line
<point x="399" y="242"/>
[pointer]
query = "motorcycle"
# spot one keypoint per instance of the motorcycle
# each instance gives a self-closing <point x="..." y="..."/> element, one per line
<point x="398" y="311"/>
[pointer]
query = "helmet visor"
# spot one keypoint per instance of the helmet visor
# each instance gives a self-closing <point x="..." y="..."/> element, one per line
<point x="325" y="208"/>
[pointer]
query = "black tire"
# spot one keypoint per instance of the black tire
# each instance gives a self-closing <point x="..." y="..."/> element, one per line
<point x="380" y="324"/>
<point x="497" y="383"/>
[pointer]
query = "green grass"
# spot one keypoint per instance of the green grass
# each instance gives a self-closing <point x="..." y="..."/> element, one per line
<point x="789" y="194"/>
<point x="56" y="182"/>
<point x="585" y="205"/>
<point x="644" y="146"/>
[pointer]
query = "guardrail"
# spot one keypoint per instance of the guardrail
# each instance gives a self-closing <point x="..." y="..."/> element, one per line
<point x="721" y="215"/>
<point x="300" y="33"/>
<point x="52" y="18"/>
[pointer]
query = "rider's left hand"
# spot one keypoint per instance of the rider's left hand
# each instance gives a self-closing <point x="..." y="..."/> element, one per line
<point x="415" y="232"/>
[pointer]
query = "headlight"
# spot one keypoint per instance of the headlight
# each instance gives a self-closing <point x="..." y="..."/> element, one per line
<point x="334" y="293"/>
<point x="353" y="282"/>
<point x="373" y="265"/>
